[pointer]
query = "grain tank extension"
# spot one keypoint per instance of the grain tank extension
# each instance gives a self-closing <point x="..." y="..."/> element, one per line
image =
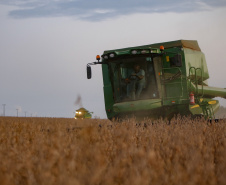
<point x="157" y="80"/>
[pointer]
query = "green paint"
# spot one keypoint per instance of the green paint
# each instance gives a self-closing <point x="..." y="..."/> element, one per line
<point x="170" y="77"/>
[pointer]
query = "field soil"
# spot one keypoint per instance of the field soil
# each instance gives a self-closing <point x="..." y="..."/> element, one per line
<point x="52" y="151"/>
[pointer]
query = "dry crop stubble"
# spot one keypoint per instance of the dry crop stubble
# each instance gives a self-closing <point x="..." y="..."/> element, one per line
<point x="68" y="151"/>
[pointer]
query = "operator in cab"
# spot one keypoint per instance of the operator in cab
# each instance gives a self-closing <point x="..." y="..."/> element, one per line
<point x="135" y="82"/>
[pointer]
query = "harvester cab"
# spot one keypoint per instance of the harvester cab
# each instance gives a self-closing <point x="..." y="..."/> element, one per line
<point x="157" y="80"/>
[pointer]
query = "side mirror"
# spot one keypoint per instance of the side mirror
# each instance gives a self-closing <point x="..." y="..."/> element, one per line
<point x="89" y="72"/>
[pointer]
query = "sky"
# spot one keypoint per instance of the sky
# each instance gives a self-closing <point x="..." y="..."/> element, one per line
<point x="46" y="44"/>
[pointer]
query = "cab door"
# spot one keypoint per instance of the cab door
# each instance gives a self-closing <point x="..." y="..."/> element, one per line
<point x="171" y="78"/>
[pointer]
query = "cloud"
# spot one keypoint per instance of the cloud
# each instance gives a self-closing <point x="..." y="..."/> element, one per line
<point x="103" y="9"/>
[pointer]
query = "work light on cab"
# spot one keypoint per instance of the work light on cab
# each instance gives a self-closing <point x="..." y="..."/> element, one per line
<point x="134" y="52"/>
<point x="105" y="57"/>
<point x="112" y="55"/>
<point x="144" y="51"/>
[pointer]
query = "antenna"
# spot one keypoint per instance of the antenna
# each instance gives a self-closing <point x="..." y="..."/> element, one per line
<point x="3" y="109"/>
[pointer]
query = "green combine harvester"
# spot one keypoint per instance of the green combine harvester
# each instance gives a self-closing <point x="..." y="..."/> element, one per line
<point x="157" y="80"/>
<point x="82" y="113"/>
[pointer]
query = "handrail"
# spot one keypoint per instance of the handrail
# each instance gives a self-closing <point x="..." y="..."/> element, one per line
<point x="196" y="80"/>
<point x="206" y="107"/>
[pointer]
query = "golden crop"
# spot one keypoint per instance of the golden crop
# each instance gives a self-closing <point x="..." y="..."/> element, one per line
<point x="54" y="151"/>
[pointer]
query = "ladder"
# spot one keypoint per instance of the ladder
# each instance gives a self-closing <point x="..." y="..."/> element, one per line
<point x="207" y="109"/>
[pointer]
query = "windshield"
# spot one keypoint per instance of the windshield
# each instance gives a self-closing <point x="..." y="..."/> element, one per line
<point x="133" y="79"/>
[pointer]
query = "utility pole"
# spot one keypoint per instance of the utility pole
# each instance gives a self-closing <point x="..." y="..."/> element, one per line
<point x="25" y="113"/>
<point x="17" y="111"/>
<point x="3" y="109"/>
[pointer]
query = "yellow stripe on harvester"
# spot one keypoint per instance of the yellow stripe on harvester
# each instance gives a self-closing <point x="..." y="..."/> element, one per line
<point x="167" y="59"/>
<point x="195" y="106"/>
<point x="212" y="102"/>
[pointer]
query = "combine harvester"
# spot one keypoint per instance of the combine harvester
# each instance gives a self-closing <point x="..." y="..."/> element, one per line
<point x="82" y="113"/>
<point x="157" y="80"/>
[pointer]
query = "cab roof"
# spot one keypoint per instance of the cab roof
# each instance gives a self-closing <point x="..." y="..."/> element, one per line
<point x="191" y="44"/>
